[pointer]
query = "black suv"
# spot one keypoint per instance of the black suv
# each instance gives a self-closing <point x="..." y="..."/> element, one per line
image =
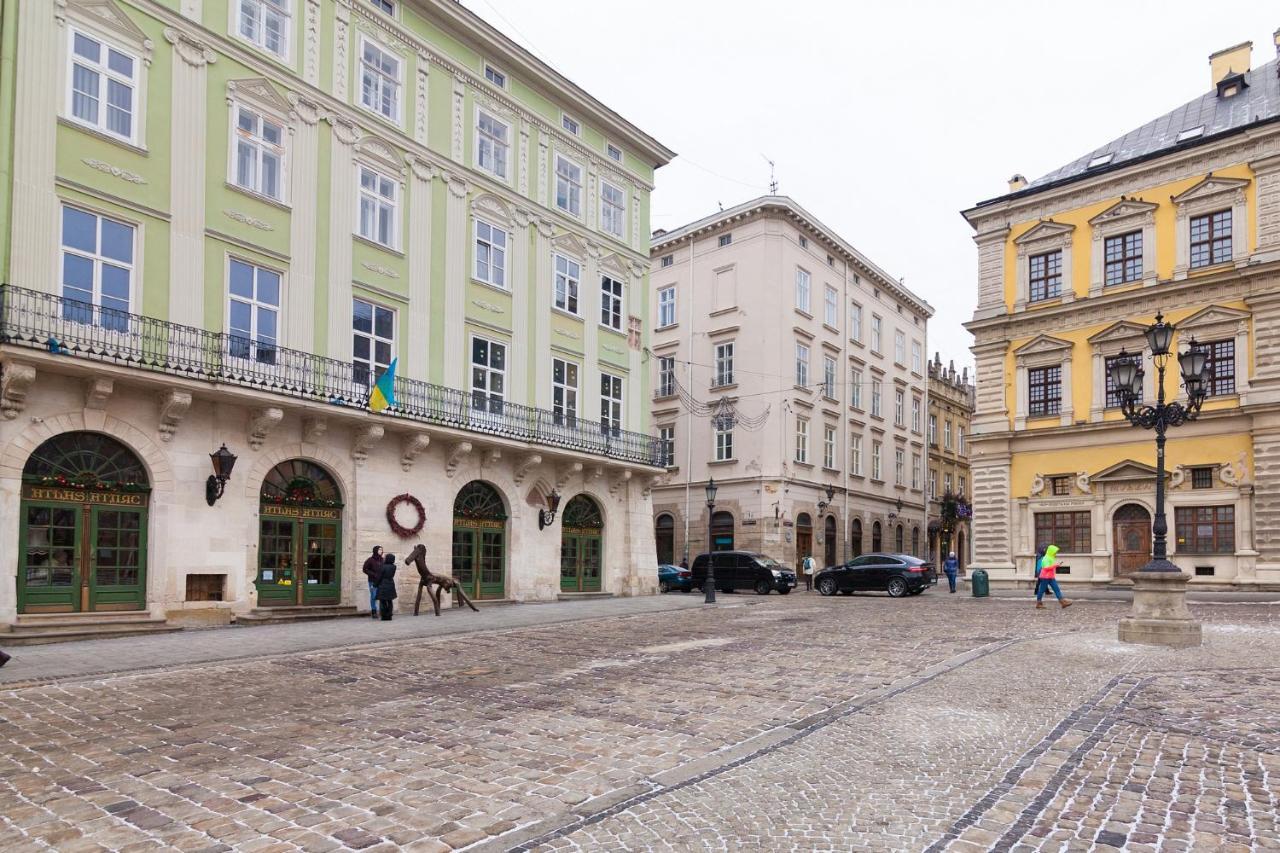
<point x="744" y="570"/>
<point x="896" y="574"/>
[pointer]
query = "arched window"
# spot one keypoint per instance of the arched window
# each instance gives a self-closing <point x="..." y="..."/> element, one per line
<point x="855" y="538"/>
<point x="897" y="540"/>
<point x="877" y="541"/>
<point x="479" y="500"/>
<point x="664" y="536"/>
<point x="915" y="541"/>
<point x="829" y="541"/>
<point x="722" y="531"/>
<point x="300" y="482"/>
<point x="85" y="459"/>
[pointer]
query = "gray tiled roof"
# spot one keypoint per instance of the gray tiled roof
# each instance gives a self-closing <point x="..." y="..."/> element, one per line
<point x="1258" y="102"/>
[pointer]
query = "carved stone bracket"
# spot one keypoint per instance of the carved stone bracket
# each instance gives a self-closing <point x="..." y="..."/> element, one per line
<point x="525" y="465"/>
<point x="261" y="424"/>
<point x="457" y="453"/>
<point x="1082" y="482"/>
<point x="193" y="51"/>
<point x="364" y="440"/>
<point x="493" y="455"/>
<point x="1037" y="484"/>
<point x="97" y="391"/>
<point x="411" y="447"/>
<point x="566" y="473"/>
<point x="307" y="111"/>
<point x="619" y="481"/>
<point x="649" y="482"/>
<point x="313" y="429"/>
<point x="173" y="408"/>
<point x="15" y="380"/>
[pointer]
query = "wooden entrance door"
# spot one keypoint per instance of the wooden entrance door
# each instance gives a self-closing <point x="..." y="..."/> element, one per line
<point x="479" y="541"/>
<point x="299" y="537"/>
<point x="581" y="545"/>
<point x="1131" y="533"/>
<point x="804" y="541"/>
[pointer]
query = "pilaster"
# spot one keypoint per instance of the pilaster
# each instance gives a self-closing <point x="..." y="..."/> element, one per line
<point x="637" y="293"/>
<point x="341" y="48"/>
<point x="299" y="295"/>
<point x="1266" y="493"/>
<point x="542" y="307"/>
<point x="521" y="318"/>
<point x="418" y="328"/>
<point x="455" y="282"/>
<point x="342" y="211"/>
<point x="311" y="42"/>
<point x="991" y="271"/>
<point x="33" y="256"/>
<point x="991" y="413"/>
<point x="589" y="302"/>
<point x="992" y="532"/>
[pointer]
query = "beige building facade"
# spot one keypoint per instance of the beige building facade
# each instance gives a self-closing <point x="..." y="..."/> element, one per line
<point x="948" y="429"/>
<point x="790" y="368"/>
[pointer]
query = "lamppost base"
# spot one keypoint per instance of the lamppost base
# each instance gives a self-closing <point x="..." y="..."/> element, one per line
<point x="1159" y="616"/>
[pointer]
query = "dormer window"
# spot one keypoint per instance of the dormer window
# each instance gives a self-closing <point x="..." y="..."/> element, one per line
<point x="1231" y="85"/>
<point x="1100" y="160"/>
<point x="1191" y="133"/>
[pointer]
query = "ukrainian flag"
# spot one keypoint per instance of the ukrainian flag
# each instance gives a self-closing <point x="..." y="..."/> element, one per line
<point x="384" y="390"/>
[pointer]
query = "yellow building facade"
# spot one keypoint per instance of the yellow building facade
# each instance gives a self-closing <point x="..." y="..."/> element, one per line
<point x="1179" y="217"/>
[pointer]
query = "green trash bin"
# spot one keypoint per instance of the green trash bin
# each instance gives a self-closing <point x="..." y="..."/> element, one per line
<point x="981" y="587"/>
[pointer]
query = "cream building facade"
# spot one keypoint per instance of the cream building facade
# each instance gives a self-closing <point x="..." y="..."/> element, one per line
<point x="948" y="481"/>
<point x="821" y="354"/>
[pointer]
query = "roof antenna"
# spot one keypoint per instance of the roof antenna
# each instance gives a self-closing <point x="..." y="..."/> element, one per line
<point x="773" y="183"/>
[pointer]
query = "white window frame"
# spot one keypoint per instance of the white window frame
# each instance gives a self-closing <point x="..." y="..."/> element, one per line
<point x="573" y="187"/>
<point x="570" y="125"/>
<point x="612" y="302"/>
<point x="611" y="404"/>
<point x="828" y="447"/>
<point x="379" y="201"/>
<point x="487" y="393"/>
<point x="725" y="240"/>
<point x="667" y="440"/>
<point x="802" y="364"/>
<point x="724" y="444"/>
<point x="371" y="364"/>
<point x="960" y="439"/>
<point x="262" y="150"/>
<point x="666" y="376"/>
<point x="381" y="6"/>
<point x="254" y="304"/>
<point x="916" y="406"/>
<point x="280" y="8"/>
<point x="899" y="348"/>
<point x="899" y="466"/>
<point x="855" y="455"/>
<point x="497" y="272"/>
<point x="933" y="430"/>
<point x="564" y="394"/>
<point x="566" y="288"/>
<point x="831" y="306"/>
<point x="613" y="152"/>
<point x="804" y="289"/>
<point x="933" y="483"/>
<point x="915" y="471"/>
<point x="946" y="483"/>
<point x="666" y="306"/>
<point x="962" y="487"/>
<point x="613" y="217"/>
<point x="946" y="435"/>
<point x="877" y="393"/>
<point x="917" y="358"/>
<point x="855" y="389"/>
<point x="490" y="68"/>
<point x="877" y="460"/>
<point x="899" y="407"/>
<point x="802" y="441"/>
<point x="877" y="333"/>
<point x="98" y="259"/>
<point x="829" y="376"/>
<point x="105" y="74"/>
<point x="723" y="365"/>
<point x="500" y="169"/>
<point x="855" y="323"/>
<point x="397" y="84"/>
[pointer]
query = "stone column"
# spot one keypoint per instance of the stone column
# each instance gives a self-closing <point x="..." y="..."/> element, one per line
<point x="522" y="320"/>
<point x="455" y="283"/>
<point x="418" y="328"/>
<point x="188" y="128"/>
<point x="33" y="257"/>
<point x="342" y="212"/>
<point x="299" y="294"/>
<point x="992" y="533"/>
<point x="541" y="313"/>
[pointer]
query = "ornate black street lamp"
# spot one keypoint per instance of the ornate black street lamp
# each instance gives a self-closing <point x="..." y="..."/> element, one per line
<point x="1127" y="376"/>
<point x="223" y="461"/>
<point x="709" y="584"/>
<point x="547" y="516"/>
<point x="822" y="505"/>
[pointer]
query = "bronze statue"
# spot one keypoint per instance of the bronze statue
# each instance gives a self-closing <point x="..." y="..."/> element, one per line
<point x="427" y="579"/>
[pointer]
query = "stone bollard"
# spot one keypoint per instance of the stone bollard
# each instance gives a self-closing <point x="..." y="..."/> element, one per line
<point x="1159" y="616"/>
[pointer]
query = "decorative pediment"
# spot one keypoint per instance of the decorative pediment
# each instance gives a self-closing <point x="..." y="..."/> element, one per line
<point x="261" y="93"/>
<point x="382" y="154"/>
<point x="616" y="266"/>
<point x="489" y="206"/>
<point x="1127" y="471"/>
<point x="1123" y="331"/>
<point x="570" y="244"/>
<point x="1210" y="187"/>
<point x="107" y="17"/>
<point x="1125" y="208"/>
<point x="1043" y="344"/>
<point x="1046" y="230"/>
<point x="1214" y="318"/>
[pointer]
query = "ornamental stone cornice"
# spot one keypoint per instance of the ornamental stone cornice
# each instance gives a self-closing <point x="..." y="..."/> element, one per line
<point x="190" y="49"/>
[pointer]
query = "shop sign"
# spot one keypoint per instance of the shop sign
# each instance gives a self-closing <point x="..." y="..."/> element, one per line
<point x="85" y="496"/>
<point x="322" y="513"/>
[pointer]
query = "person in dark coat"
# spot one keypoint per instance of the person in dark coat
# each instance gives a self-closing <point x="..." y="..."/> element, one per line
<point x="372" y="570"/>
<point x="387" y="587"/>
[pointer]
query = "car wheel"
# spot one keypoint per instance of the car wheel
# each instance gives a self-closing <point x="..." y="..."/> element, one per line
<point x="763" y="587"/>
<point x="827" y="586"/>
<point x="896" y="587"/>
<point x="664" y="586"/>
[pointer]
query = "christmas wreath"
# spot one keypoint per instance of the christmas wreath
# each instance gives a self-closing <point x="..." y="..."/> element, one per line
<point x="396" y="527"/>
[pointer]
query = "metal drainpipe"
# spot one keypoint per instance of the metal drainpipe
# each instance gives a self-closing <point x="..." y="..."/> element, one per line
<point x="924" y="479"/>
<point x="844" y="408"/>
<point x="688" y="431"/>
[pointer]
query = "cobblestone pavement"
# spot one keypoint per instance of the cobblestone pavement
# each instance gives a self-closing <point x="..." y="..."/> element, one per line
<point x="796" y="723"/>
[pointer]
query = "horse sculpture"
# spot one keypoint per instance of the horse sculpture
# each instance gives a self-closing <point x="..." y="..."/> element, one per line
<point x="428" y="579"/>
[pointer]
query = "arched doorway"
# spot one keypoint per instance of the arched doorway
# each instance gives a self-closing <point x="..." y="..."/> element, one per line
<point x="804" y="539"/>
<point x="855" y="538"/>
<point x="83" y="527"/>
<point x="1131" y="529"/>
<point x="915" y="541"/>
<point x="299" y="536"/>
<point x="897" y="540"/>
<point x="480" y="541"/>
<point x="877" y="540"/>
<point x="581" y="545"/>
<point x="829" y="542"/>
<point x="722" y="531"/>
<point x="664" y="536"/>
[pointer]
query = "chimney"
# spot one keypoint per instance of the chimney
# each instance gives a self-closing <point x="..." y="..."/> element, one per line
<point x="1276" y="38"/>
<point x="1231" y="60"/>
<point x="1016" y="183"/>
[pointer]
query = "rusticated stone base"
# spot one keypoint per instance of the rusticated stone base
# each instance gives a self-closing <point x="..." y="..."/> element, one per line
<point x="1175" y="633"/>
<point x="1160" y="616"/>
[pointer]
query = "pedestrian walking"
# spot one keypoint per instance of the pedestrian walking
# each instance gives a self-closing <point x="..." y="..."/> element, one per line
<point x="4" y="659"/>
<point x="373" y="570"/>
<point x="807" y="567"/>
<point x="387" y="587"/>
<point x="951" y="566"/>
<point x="1035" y="568"/>
<point x="1049" y="578"/>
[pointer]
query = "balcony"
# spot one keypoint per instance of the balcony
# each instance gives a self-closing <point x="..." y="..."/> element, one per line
<point x="76" y="329"/>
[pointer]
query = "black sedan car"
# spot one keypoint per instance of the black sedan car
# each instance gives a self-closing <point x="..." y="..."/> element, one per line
<point x="896" y="574"/>
<point x="735" y="570"/>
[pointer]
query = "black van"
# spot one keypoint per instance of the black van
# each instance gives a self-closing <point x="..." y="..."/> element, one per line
<point x="744" y="570"/>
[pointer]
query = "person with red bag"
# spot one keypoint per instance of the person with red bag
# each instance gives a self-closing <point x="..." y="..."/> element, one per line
<point x="1048" y="578"/>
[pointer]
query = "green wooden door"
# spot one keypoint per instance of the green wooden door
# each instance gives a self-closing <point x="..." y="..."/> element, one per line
<point x="276" y="582"/>
<point x="117" y="565"/>
<point x="580" y="562"/>
<point x="464" y="560"/>
<point x="479" y="560"/>
<point x="49" y="577"/>
<point x="322" y="546"/>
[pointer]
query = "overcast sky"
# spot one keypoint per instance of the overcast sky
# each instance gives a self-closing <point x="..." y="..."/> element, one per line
<point x="885" y="119"/>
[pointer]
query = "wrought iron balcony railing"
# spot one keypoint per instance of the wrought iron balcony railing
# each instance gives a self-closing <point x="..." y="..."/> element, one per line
<point x="81" y="330"/>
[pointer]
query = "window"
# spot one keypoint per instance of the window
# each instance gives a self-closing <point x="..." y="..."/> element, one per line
<point x="373" y="340"/>
<point x="802" y="291"/>
<point x="1211" y="239"/>
<point x="570" y="124"/>
<point x="564" y="392"/>
<point x="875" y="398"/>
<point x="917" y="357"/>
<point x="668" y="260"/>
<point x="802" y="364"/>
<point x="377" y="207"/>
<point x="253" y="312"/>
<point x="725" y="240"/>
<point x="611" y="303"/>
<point x="877" y="539"/>
<point x="899" y="407"/>
<point x="724" y="445"/>
<point x="493" y="144"/>
<point x="265" y="23"/>
<point x="831" y="262"/>
<point x="1070" y="531"/>
<point x="946" y="434"/>
<point x="933" y="430"/>
<point x="1206" y="529"/>
<point x="568" y="186"/>
<point x="613" y="208"/>
<point x="855" y="322"/>
<point x="488" y="375"/>
<point x="386" y="7"/>
<point x="828" y="447"/>
<point x="1114" y="398"/>
<point x="667" y="441"/>
<point x="875" y="460"/>
<point x="379" y="80"/>
<point x="946" y="484"/>
<point x="491" y="254"/>
<point x="1221" y="366"/>
<point x="804" y="242"/>
<point x="855" y="454"/>
<point x="855" y="389"/>
<point x="724" y="364"/>
<point x="1123" y="258"/>
<point x="567" y="276"/>
<point x="104" y="84"/>
<point x="1044" y="385"/>
<point x="666" y="376"/>
<point x="915" y="414"/>
<point x="876" y="324"/>
<point x="1060" y="486"/>
<point x="666" y="307"/>
<point x="933" y="483"/>
<point x="828" y="376"/>
<point x="1202" y="478"/>
<point x="611" y="403"/>
<point x="830" y="306"/>
<point x="899" y="348"/>
<point x="259" y="153"/>
<point x="960" y="440"/>
<point x="802" y="441"/>
<point x="495" y="76"/>
<point x="899" y="467"/>
<point x="964" y="486"/>
<point x="1046" y="275"/>
<point x="915" y="471"/>
<point x="97" y="269"/>
<point x="614" y="152"/>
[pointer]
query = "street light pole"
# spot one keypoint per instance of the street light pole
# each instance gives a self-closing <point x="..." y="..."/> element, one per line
<point x="709" y="583"/>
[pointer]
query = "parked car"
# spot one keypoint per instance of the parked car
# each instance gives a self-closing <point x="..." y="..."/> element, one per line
<point x="744" y="570"/>
<point x="673" y="577"/>
<point x="896" y="574"/>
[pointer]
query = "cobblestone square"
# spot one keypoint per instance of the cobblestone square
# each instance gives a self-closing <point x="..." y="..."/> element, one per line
<point x="764" y="723"/>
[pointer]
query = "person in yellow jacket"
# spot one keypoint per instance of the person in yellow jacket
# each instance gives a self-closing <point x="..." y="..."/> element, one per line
<point x="1049" y="578"/>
